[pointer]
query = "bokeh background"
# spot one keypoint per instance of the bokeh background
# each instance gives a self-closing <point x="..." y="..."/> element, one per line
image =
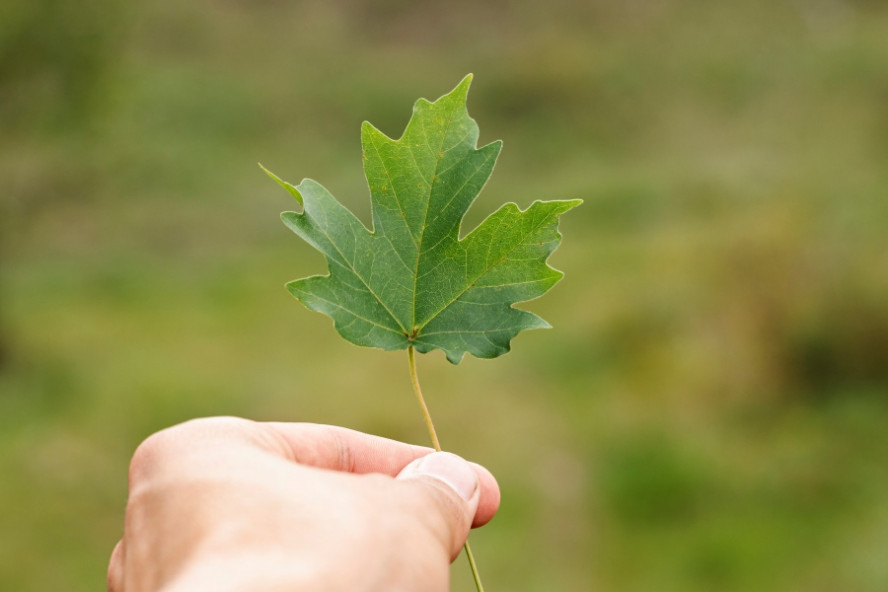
<point x="710" y="410"/>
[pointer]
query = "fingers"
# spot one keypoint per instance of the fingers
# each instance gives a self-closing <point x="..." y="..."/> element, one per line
<point x="446" y="491"/>
<point x="489" y="501"/>
<point x="342" y="449"/>
<point x="322" y="446"/>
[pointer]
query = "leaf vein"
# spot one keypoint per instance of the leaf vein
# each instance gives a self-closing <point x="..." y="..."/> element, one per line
<point x="425" y="216"/>
<point x="470" y="284"/>
<point x="354" y="271"/>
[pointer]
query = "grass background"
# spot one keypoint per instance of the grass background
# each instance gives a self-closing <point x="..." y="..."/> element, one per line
<point x="708" y="412"/>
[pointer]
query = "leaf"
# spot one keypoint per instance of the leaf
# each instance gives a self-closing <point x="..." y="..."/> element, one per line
<point x="412" y="280"/>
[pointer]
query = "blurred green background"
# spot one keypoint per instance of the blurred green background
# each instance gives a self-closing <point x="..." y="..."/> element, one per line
<point x="709" y="411"/>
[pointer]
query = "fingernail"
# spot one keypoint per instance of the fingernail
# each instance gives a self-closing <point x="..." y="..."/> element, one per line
<point x="450" y="469"/>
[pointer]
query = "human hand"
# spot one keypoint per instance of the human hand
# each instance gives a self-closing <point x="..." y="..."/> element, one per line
<point x="226" y="504"/>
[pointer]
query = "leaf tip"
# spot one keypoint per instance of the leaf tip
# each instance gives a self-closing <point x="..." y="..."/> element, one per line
<point x="291" y="189"/>
<point x="463" y="87"/>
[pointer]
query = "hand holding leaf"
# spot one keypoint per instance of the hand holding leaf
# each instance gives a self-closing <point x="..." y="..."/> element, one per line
<point x="412" y="282"/>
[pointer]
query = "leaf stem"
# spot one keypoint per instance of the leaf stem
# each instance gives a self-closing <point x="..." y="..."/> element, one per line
<point x="474" y="567"/>
<point x="414" y="378"/>
<point x="411" y="358"/>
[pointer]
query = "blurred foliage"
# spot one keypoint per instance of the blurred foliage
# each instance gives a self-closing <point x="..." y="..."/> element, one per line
<point x="707" y="413"/>
<point x="55" y="58"/>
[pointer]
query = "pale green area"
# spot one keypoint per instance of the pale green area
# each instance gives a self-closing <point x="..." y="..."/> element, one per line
<point x="708" y="412"/>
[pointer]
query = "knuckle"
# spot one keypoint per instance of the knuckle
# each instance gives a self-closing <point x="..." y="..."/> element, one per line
<point x="151" y="453"/>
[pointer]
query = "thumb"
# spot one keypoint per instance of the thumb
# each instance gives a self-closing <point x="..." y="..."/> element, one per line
<point x="449" y="491"/>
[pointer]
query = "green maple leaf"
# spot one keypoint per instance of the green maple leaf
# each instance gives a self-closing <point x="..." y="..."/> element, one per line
<point x="412" y="281"/>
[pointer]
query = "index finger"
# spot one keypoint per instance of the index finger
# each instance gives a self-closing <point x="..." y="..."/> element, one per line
<point x="341" y="449"/>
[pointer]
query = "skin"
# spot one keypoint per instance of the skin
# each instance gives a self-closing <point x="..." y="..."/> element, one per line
<point x="229" y="504"/>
